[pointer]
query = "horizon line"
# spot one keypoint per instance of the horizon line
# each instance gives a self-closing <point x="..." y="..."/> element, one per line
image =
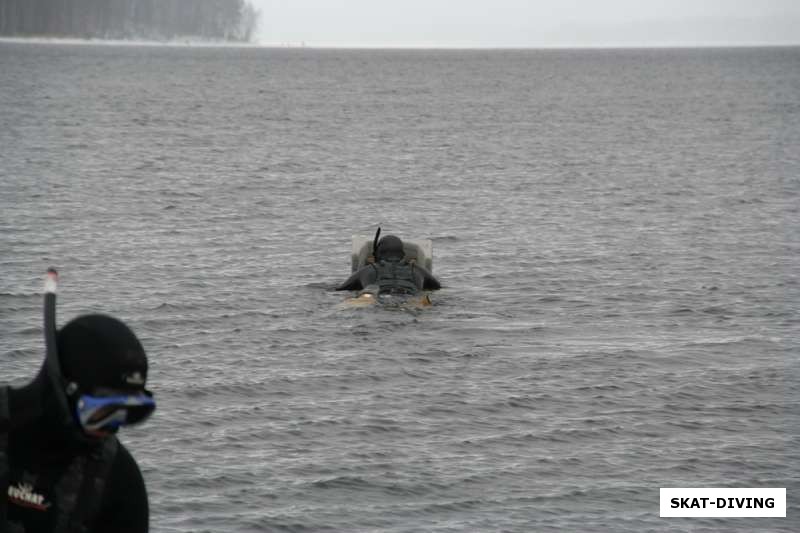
<point x="304" y="45"/>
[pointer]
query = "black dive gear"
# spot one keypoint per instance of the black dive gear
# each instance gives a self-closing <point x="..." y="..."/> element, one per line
<point x="395" y="277"/>
<point x="92" y="352"/>
<point x="54" y="475"/>
<point x="52" y="365"/>
<point x="375" y="242"/>
<point x="390" y="271"/>
<point x="106" y="368"/>
<point x="35" y="500"/>
<point x="390" y="248"/>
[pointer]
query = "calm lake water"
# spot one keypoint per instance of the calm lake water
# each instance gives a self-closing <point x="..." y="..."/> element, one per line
<point x="616" y="230"/>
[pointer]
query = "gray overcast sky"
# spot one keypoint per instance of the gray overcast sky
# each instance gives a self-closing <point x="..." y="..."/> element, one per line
<point x="527" y="23"/>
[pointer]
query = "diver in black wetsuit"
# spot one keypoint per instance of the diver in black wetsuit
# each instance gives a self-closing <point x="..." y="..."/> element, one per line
<point x="390" y="272"/>
<point x="66" y="471"/>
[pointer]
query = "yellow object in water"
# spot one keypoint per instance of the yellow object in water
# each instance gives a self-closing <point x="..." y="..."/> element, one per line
<point x="366" y="299"/>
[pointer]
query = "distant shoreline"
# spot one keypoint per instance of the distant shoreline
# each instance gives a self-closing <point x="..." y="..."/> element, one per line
<point x="126" y="42"/>
<point x="190" y="43"/>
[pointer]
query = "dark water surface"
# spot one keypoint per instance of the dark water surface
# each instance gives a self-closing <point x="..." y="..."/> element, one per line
<point x="617" y="232"/>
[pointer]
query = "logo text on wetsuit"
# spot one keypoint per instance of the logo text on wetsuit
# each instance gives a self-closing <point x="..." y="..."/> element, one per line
<point x="24" y="495"/>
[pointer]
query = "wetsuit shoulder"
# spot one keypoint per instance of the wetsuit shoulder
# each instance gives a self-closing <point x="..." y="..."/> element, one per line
<point x="124" y="508"/>
<point x="429" y="281"/>
<point x="359" y="279"/>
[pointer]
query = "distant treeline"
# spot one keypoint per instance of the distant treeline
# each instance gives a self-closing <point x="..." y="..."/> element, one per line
<point x="230" y="20"/>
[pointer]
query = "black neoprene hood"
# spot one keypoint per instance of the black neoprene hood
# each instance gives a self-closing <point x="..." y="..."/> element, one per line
<point x="390" y="247"/>
<point x="100" y="351"/>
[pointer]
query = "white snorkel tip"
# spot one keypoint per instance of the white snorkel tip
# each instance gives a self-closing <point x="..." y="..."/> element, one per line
<point x="51" y="281"/>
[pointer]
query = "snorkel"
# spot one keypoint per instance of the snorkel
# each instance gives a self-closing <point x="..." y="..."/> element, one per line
<point x="375" y="244"/>
<point x="51" y="348"/>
